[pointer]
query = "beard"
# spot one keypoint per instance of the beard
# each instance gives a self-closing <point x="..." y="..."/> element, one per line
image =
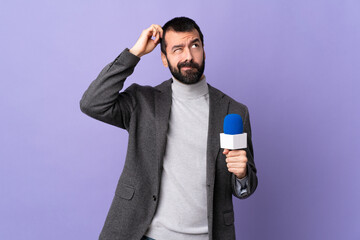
<point x="190" y="76"/>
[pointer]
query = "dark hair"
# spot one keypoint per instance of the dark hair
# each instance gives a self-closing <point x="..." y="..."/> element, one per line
<point x="179" y="24"/>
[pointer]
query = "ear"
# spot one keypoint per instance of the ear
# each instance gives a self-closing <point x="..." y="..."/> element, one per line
<point x="164" y="60"/>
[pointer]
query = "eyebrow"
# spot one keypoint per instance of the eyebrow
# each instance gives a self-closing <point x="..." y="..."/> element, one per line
<point x="195" y="40"/>
<point x="182" y="45"/>
<point x="176" y="46"/>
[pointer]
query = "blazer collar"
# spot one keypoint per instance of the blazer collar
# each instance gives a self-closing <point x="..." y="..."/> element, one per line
<point x="165" y="87"/>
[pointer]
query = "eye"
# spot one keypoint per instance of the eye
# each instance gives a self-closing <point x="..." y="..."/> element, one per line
<point x="177" y="50"/>
<point x="195" y="45"/>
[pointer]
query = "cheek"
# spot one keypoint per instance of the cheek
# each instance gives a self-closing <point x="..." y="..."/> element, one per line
<point x="177" y="57"/>
<point x="199" y="56"/>
<point x="174" y="61"/>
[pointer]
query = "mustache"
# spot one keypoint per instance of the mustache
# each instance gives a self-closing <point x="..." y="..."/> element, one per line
<point x="188" y="64"/>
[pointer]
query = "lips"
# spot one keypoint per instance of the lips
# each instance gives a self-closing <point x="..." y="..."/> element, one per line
<point x="187" y="68"/>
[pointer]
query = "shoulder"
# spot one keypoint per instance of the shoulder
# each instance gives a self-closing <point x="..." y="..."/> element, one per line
<point x="144" y="94"/>
<point x="146" y="89"/>
<point x="164" y="86"/>
<point x="234" y="105"/>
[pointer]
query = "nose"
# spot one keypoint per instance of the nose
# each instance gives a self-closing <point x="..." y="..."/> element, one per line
<point x="188" y="54"/>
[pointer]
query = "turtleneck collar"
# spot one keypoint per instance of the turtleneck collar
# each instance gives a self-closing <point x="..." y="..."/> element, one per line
<point x="189" y="91"/>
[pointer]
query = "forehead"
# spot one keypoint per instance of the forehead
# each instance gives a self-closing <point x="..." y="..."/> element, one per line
<point x="175" y="38"/>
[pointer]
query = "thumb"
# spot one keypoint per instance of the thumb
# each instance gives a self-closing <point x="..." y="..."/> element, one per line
<point x="226" y="151"/>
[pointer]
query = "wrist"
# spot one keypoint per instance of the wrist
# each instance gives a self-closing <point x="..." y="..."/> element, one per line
<point x="135" y="52"/>
<point x="241" y="176"/>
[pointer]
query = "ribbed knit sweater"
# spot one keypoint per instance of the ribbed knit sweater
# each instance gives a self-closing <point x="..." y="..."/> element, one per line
<point x="182" y="209"/>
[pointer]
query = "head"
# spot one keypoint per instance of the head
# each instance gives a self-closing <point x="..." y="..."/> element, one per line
<point x="182" y="49"/>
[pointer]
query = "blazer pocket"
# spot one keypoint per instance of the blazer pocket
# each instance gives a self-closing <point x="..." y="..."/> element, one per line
<point x="229" y="218"/>
<point x="125" y="191"/>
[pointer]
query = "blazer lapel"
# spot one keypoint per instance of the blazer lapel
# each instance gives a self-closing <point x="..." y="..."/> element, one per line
<point x="217" y="113"/>
<point x="163" y="100"/>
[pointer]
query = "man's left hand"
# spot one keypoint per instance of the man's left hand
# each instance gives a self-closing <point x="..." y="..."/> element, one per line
<point x="236" y="162"/>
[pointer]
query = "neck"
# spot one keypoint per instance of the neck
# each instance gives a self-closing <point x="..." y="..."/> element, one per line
<point x="190" y="90"/>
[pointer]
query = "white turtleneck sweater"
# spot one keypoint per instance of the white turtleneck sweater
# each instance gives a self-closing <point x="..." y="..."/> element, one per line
<point x="182" y="210"/>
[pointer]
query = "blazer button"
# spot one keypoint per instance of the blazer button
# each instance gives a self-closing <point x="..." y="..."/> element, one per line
<point x="154" y="197"/>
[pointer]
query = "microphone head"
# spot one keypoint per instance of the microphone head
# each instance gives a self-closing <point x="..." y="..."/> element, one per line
<point x="233" y="124"/>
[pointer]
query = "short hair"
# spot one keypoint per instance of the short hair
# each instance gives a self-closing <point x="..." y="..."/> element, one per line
<point x="179" y="24"/>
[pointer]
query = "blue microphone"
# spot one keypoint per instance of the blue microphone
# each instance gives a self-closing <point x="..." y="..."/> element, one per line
<point x="233" y="124"/>
<point x="233" y="136"/>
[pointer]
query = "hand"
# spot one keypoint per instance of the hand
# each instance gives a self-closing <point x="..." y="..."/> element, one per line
<point x="236" y="162"/>
<point x="145" y="44"/>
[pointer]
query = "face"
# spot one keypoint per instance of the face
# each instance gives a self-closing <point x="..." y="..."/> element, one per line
<point x="185" y="56"/>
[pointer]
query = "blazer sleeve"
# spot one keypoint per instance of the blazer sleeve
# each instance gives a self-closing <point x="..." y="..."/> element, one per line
<point x="251" y="168"/>
<point x="102" y="99"/>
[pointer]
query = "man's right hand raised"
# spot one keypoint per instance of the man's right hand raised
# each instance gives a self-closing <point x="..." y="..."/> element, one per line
<point x="145" y="44"/>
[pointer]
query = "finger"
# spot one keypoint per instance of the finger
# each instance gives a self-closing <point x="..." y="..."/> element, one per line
<point x="236" y="159"/>
<point x="153" y="31"/>
<point x="150" y="29"/>
<point x="234" y="168"/>
<point x="226" y="151"/>
<point x="236" y="153"/>
<point x="157" y="38"/>
<point x="148" y="33"/>
<point x="242" y="161"/>
<point x="158" y="29"/>
<point x="236" y="165"/>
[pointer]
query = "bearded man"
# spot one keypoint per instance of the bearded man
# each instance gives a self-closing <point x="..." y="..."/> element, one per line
<point x="177" y="183"/>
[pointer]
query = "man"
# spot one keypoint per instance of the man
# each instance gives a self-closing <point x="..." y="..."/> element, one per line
<point x="176" y="183"/>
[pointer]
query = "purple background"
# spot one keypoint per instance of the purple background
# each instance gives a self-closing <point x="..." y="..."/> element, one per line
<point x="295" y="64"/>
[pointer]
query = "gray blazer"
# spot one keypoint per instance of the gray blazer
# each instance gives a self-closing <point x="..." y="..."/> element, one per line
<point x="144" y="112"/>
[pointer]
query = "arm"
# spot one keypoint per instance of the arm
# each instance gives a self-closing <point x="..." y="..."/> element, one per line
<point x="240" y="188"/>
<point x="102" y="99"/>
<point x="241" y="164"/>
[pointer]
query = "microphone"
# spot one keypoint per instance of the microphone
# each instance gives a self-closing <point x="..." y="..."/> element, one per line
<point x="233" y="136"/>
